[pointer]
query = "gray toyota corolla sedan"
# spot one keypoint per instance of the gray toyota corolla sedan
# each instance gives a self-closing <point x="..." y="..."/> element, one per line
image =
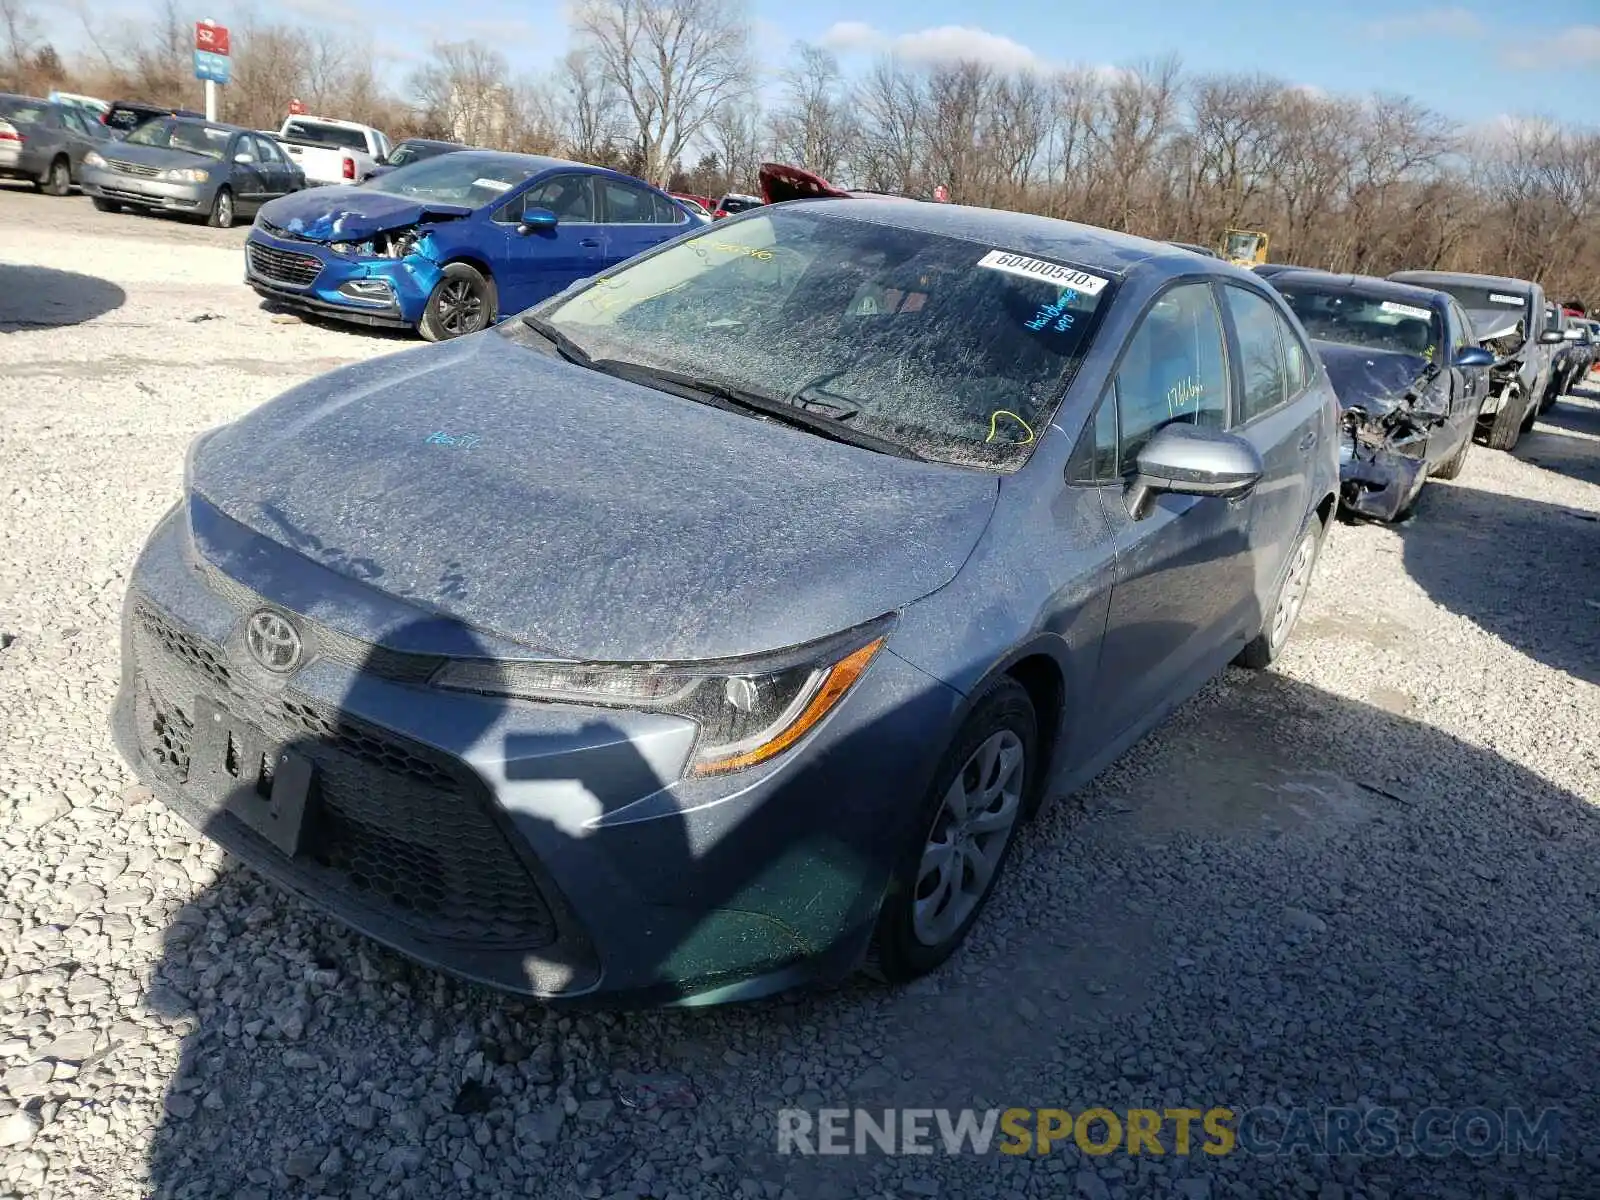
<point x="715" y="625"/>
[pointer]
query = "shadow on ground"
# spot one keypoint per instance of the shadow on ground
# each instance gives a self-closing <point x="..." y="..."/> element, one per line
<point x="284" y="314"/>
<point x="44" y="298"/>
<point x="1425" y="935"/>
<point x="1567" y="438"/>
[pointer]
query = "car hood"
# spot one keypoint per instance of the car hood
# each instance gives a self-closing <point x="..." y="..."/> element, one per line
<point x="157" y="156"/>
<point x="584" y="516"/>
<point x="1369" y="378"/>
<point x="327" y="214"/>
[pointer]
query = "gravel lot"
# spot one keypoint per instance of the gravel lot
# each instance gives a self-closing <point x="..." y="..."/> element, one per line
<point x="1366" y="878"/>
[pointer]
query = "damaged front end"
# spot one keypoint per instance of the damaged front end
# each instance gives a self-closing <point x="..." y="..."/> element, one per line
<point x="1383" y="458"/>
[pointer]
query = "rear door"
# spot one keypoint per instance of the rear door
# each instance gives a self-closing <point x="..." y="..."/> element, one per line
<point x="249" y="176"/>
<point x="538" y="263"/>
<point x="1183" y="590"/>
<point x="1280" y="413"/>
<point x="636" y="219"/>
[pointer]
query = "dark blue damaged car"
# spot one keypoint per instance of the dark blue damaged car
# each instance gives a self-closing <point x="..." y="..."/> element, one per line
<point x="450" y="244"/>
<point x="717" y="625"/>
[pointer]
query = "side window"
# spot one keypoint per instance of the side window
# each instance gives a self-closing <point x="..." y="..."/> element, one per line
<point x="1094" y="460"/>
<point x="568" y="196"/>
<point x="666" y="212"/>
<point x="1296" y="358"/>
<point x="628" y="205"/>
<point x="1462" y="339"/>
<point x="74" y="122"/>
<point x="1174" y="369"/>
<point x="1261" y="357"/>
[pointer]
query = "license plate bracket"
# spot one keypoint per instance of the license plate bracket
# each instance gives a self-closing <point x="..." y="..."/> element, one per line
<point x="269" y="787"/>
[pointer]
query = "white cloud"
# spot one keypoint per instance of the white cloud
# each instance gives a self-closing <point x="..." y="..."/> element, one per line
<point x="1575" y="46"/>
<point x="1433" y="22"/>
<point x="945" y="43"/>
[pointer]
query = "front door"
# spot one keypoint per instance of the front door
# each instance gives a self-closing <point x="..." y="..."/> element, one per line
<point x="1183" y="576"/>
<point x="540" y="262"/>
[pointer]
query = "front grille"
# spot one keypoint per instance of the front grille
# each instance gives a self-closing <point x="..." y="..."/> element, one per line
<point x="283" y="266"/>
<point x="398" y="827"/>
<point x="124" y="167"/>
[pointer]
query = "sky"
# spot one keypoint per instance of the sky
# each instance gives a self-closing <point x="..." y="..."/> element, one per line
<point x="1476" y="61"/>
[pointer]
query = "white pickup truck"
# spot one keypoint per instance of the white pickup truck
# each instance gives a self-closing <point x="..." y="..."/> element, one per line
<point x="331" y="151"/>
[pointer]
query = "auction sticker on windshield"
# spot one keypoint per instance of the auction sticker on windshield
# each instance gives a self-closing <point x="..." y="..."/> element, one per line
<point x="495" y="185"/>
<point x="1047" y="272"/>
<point x="1502" y="298"/>
<point x="1405" y="310"/>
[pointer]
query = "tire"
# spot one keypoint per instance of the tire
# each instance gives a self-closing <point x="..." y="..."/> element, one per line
<point x="106" y="205"/>
<point x="1505" y="429"/>
<point x="462" y="302"/>
<point x="1263" y="649"/>
<point x="1450" y="468"/>
<point x="57" y="177"/>
<point x="222" y="209"/>
<point x="996" y="752"/>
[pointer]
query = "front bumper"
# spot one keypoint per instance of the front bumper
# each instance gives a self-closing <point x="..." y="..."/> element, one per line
<point x="1380" y="482"/>
<point x="137" y="191"/>
<point x="366" y="291"/>
<point x="543" y="849"/>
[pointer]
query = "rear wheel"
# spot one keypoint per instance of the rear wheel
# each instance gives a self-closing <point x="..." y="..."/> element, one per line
<point x="106" y="205"/>
<point x="962" y="836"/>
<point x="57" y="178"/>
<point x="222" y="212"/>
<point x="1263" y="650"/>
<point x="462" y="302"/>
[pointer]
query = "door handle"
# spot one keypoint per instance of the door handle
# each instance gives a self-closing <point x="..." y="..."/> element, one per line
<point x="1308" y="441"/>
<point x="589" y="243"/>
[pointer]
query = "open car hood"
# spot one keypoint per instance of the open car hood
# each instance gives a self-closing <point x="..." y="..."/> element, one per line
<point x="352" y="214"/>
<point x="780" y="182"/>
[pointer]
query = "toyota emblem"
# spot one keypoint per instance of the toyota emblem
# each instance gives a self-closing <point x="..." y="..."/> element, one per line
<point x="273" y="641"/>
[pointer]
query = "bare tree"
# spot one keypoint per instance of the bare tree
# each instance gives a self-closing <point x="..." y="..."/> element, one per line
<point x="894" y="118"/>
<point x="814" y="126"/>
<point x="464" y="93"/>
<point x="591" y="111"/>
<point x="675" y="62"/>
<point x="19" y="32"/>
<point x="733" y="137"/>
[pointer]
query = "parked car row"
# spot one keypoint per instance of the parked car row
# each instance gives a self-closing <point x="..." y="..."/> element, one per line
<point x="1424" y="362"/>
<point x="716" y="624"/>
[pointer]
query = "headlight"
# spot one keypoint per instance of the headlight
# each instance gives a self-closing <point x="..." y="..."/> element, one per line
<point x="93" y="159"/>
<point x="747" y="711"/>
<point x="186" y="175"/>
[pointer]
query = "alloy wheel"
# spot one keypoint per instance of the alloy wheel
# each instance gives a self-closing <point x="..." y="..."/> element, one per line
<point x="968" y="838"/>
<point x="460" y="307"/>
<point x="60" y="179"/>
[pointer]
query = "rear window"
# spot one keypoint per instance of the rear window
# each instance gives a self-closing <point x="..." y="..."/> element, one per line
<point x="334" y="137"/>
<point x="1493" y="310"/>
<point x="738" y="204"/>
<point x="1358" y="319"/>
<point x="22" y="110"/>
<point x="954" y="349"/>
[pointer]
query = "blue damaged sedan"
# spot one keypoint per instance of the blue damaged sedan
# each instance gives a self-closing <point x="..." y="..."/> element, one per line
<point x="716" y="625"/>
<point x="450" y="244"/>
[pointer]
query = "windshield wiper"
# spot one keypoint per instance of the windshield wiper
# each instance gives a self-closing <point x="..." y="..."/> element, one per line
<point x="767" y="404"/>
<point x="565" y="346"/>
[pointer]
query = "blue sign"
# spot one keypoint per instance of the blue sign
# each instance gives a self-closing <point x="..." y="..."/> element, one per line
<point x="211" y="66"/>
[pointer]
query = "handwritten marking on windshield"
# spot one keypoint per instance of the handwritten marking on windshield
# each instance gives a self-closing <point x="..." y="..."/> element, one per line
<point x="994" y="423"/>
<point x="463" y="441"/>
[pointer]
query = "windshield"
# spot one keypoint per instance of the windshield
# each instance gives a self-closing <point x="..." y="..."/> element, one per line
<point x="409" y="152"/>
<point x="950" y="349"/>
<point x="334" y="137"/>
<point x="21" y="110"/>
<point x="1342" y="315"/>
<point x="1494" y="311"/>
<point x="469" y="179"/>
<point x="190" y="136"/>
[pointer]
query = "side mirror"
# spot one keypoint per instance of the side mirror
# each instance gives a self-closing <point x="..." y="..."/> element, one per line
<point x="1552" y="337"/>
<point x="1190" y="460"/>
<point x="1475" y="356"/>
<point x="536" y="220"/>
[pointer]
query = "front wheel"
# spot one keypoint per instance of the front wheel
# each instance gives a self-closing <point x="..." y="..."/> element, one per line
<point x="1505" y="430"/>
<point x="57" y="179"/>
<point x="222" y="212"/>
<point x="462" y="302"/>
<point x="1263" y="650"/>
<point x="961" y="838"/>
<point x="1451" y="467"/>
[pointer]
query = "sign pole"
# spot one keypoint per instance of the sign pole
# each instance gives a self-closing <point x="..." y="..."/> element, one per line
<point x="211" y="99"/>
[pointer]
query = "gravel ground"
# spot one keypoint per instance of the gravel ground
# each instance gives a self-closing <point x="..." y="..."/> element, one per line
<point x="1368" y="877"/>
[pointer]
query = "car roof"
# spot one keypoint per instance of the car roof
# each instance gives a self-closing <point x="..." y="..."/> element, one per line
<point x="1503" y="282"/>
<point x="431" y="142"/>
<point x="1025" y="233"/>
<point x="29" y="99"/>
<point x="1373" y="285"/>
